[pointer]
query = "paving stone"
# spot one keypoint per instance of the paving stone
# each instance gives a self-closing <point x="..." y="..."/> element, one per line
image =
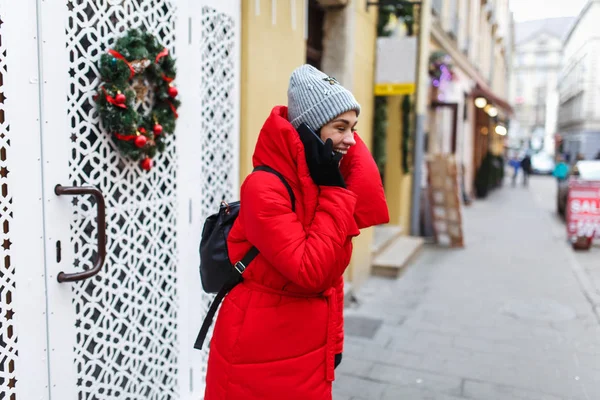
<point x="421" y="379"/>
<point x="339" y="396"/>
<point x="409" y="393"/>
<point x="348" y="385"/>
<point x="364" y="327"/>
<point x="486" y="346"/>
<point x="355" y="366"/>
<point x="491" y="391"/>
<point x="362" y="351"/>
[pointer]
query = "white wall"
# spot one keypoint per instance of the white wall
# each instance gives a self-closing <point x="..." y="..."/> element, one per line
<point x="536" y="65"/>
<point x="593" y="82"/>
<point x="581" y="67"/>
<point x="474" y="34"/>
<point x="585" y="29"/>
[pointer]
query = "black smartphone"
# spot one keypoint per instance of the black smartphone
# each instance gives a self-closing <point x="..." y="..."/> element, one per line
<point x="307" y="135"/>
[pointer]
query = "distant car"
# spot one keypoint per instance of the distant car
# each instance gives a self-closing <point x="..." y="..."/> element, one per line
<point x="586" y="170"/>
<point x="542" y="163"/>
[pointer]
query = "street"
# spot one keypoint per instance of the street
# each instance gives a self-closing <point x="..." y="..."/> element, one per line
<point x="513" y="316"/>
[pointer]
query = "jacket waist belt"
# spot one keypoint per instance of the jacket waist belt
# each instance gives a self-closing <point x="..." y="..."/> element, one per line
<point x="331" y="296"/>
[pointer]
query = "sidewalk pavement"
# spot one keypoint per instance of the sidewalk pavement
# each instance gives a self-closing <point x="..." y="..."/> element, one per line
<point x="506" y="318"/>
<point x="586" y="264"/>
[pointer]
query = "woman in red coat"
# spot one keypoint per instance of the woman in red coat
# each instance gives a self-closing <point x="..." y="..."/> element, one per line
<point x="279" y="334"/>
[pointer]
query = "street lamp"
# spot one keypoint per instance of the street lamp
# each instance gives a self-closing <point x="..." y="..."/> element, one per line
<point x="480" y="102"/>
<point x="501" y="130"/>
<point x="493" y="111"/>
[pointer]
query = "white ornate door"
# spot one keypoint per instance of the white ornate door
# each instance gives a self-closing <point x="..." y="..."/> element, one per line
<point x="23" y="336"/>
<point x="127" y="331"/>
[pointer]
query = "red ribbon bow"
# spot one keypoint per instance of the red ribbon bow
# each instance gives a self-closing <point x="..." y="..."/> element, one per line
<point x="173" y="109"/>
<point x="162" y="54"/>
<point x="112" y="100"/>
<point x="125" y="137"/>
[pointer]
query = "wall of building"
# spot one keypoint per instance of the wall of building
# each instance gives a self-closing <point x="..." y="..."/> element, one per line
<point x="536" y="68"/>
<point x="397" y="183"/>
<point x="474" y="20"/>
<point x="363" y="63"/>
<point x="594" y="99"/>
<point x="585" y="29"/>
<point x="273" y="45"/>
<point x="579" y="91"/>
<point x="484" y="41"/>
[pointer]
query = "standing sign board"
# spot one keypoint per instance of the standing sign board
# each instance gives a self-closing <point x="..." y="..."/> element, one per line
<point x="583" y="209"/>
<point x="444" y="200"/>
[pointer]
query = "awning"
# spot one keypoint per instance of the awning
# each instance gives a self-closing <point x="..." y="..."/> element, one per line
<point x="486" y="92"/>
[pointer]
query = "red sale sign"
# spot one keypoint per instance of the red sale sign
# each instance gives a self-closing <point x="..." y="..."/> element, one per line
<point x="583" y="209"/>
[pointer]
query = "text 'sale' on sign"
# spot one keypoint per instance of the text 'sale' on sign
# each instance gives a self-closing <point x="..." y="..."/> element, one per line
<point x="583" y="209"/>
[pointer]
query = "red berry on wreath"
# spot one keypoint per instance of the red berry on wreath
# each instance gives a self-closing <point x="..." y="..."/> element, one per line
<point x="157" y="129"/>
<point x="172" y="91"/>
<point x="146" y="164"/>
<point x="141" y="141"/>
<point x="120" y="98"/>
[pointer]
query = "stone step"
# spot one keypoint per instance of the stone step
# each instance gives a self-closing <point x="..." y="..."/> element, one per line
<point x="384" y="235"/>
<point x="396" y="256"/>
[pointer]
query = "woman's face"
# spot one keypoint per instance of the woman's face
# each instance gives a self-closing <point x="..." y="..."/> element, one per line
<point x="341" y="131"/>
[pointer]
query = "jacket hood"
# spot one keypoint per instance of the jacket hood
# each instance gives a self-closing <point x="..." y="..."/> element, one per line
<point x="279" y="147"/>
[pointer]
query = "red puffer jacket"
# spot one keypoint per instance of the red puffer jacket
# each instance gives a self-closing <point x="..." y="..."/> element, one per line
<point x="277" y="333"/>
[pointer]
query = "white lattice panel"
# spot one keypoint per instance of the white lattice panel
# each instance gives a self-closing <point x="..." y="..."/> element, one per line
<point x="126" y="317"/>
<point x="220" y="135"/>
<point x="218" y="119"/>
<point x="8" y="334"/>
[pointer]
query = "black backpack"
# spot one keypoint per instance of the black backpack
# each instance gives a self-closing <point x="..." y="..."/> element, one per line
<point x="217" y="273"/>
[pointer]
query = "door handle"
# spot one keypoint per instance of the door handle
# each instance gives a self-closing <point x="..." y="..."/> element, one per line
<point x="76" y="191"/>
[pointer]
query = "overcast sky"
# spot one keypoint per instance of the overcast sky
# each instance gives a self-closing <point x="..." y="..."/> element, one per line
<point x="525" y="10"/>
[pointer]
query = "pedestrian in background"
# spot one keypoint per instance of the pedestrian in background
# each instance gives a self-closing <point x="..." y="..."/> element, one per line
<point x="561" y="170"/>
<point x="279" y="334"/>
<point x="526" y="166"/>
<point x="515" y="164"/>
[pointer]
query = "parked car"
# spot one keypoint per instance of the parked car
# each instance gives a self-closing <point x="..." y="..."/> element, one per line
<point x="587" y="170"/>
<point x="542" y="163"/>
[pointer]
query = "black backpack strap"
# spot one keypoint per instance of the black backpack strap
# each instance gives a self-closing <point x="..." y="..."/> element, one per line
<point x="266" y="168"/>
<point x="210" y="316"/>
<point x="239" y="266"/>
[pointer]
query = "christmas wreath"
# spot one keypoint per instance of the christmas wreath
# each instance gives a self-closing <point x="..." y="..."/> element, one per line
<point x="138" y="70"/>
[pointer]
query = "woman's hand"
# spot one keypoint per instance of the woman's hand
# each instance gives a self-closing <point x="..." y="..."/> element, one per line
<point x="338" y="360"/>
<point x="324" y="164"/>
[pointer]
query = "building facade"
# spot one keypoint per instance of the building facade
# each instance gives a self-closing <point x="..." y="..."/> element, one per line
<point x="537" y="64"/>
<point x="466" y="110"/>
<point x="579" y="88"/>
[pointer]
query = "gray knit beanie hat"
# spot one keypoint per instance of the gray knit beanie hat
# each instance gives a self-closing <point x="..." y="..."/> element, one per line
<point x="315" y="98"/>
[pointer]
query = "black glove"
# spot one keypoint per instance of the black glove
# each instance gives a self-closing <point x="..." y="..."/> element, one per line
<point x="324" y="164"/>
<point x="338" y="360"/>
